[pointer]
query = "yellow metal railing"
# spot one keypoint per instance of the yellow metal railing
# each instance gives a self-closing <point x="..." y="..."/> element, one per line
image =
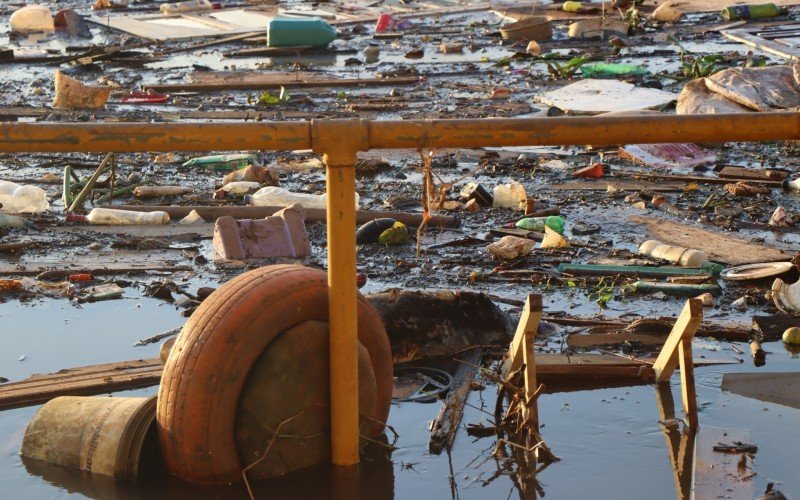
<point x="341" y="140"/>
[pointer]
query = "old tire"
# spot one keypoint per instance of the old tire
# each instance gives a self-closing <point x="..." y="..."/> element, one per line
<point x="212" y="357"/>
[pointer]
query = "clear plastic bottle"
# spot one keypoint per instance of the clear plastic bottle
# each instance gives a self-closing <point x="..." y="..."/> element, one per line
<point x="13" y="221"/>
<point x="554" y="222"/>
<point x="509" y="195"/>
<point x="272" y="196"/>
<point x="112" y="217"/>
<point x="16" y="198"/>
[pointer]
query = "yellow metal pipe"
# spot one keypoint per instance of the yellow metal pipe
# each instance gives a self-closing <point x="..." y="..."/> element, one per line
<point x="343" y="300"/>
<point x="162" y="137"/>
<point x="594" y="130"/>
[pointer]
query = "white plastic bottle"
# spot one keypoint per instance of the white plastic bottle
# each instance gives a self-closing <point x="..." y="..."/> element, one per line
<point x="188" y="6"/>
<point x="272" y="196"/>
<point x="112" y="217"/>
<point x="15" y="198"/>
<point x="684" y="257"/>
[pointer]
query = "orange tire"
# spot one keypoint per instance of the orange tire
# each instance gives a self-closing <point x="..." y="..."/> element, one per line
<point x="212" y="356"/>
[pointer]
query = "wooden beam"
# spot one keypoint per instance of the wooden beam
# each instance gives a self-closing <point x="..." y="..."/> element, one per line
<point x="83" y="381"/>
<point x="688" y="393"/>
<point x="528" y="321"/>
<point x="685" y="327"/>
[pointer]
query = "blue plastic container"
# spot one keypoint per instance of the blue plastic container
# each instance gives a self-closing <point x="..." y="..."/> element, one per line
<point x="299" y="31"/>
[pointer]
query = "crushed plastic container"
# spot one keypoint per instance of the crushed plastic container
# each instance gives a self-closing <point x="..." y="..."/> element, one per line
<point x="509" y="195"/>
<point x="16" y="198"/>
<point x="241" y="187"/>
<point x="32" y="18"/>
<point x="294" y="32"/>
<point x="272" y="196"/>
<point x="113" y="217"/>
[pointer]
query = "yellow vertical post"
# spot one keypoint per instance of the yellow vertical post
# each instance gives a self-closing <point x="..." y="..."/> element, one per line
<point x="342" y="297"/>
<point x="340" y="140"/>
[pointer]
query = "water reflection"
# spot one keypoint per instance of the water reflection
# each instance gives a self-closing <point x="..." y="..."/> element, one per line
<point x="374" y="480"/>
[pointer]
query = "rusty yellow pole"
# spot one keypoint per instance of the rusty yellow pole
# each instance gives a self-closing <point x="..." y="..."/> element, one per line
<point x="340" y="140"/>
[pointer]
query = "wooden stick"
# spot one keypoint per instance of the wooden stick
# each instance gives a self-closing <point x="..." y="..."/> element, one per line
<point x="687" y="383"/>
<point x="685" y="327"/>
<point x="445" y="426"/>
<point x="288" y="83"/>
<point x="759" y="355"/>
<point x="529" y="320"/>
<point x="78" y="203"/>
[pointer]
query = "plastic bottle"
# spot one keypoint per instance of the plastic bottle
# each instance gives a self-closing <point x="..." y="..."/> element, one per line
<point x="793" y="186"/>
<point x="509" y="195"/>
<point x="554" y="222"/>
<point x="612" y="70"/>
<point x="112" y="217"/>
<point x="241" y="187"/>
<point x="273" y="196"/>
<point x="293" y="32"/>
<point x="385" y="23"/>
<point x="685" y="257"/>
<point x="188" y="6"/>
<point x="14" y="221"/>
<point x="32" y="18"/>
<point x="18" y="199"/>
<point x="223" y="162"/>
<point x="759" y="11"/>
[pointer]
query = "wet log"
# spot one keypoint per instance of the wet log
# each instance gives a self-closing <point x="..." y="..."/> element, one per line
<point x="426" y="324"/>
<point x="83" y="381"/>
<point x="211" y="213"/>
<point x="445" y="426"/>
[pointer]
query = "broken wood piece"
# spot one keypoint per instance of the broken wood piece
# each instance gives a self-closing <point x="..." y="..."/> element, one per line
<point x="685" y="327"/>
<point x="759" y="355"/>
<point x="83" y="381"/>
<point x="644" y="271"/>
<point x="445" y="426"/>
<point x="211" y="213"/>
<point x="779" y="388"/>
<point x="717" y="475"/>
<point x="752" y="174"/>
<point x="529" y="321"/>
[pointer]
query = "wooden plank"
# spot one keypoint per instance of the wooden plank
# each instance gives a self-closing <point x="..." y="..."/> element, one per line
<point x="529" y="321"/>
<point x="716" y="474"/>
<point x="745" y="37"/>
<point x="779" y="388"/>
<point x="688" y="392"/>
<point x="644" y="271"/>
<point x="288" y="83"/>
<point x="83" y="381"/>
<point x="685" y="327"/>
<point x="734" y="172"/>
<point x="445" y="426"/>
<point x="719" y="247"/>
<point x="602" y="185"/>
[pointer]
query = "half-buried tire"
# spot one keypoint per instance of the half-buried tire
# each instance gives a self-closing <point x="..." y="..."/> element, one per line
<point x="211" y="361"/>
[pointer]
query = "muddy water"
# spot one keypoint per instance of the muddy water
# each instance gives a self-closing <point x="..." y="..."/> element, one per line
<point x="609" y="441"/>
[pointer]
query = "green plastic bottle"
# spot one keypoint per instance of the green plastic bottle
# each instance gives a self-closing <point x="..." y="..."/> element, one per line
<point x="295" y="32"/>
<point x="223" y="163"/>
<point x="612" y="70"/>
<point x="738" y="12"/>
<point x="554" y="222"/>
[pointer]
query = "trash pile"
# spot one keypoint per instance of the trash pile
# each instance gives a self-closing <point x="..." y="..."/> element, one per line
<point x="504" y="277"/>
